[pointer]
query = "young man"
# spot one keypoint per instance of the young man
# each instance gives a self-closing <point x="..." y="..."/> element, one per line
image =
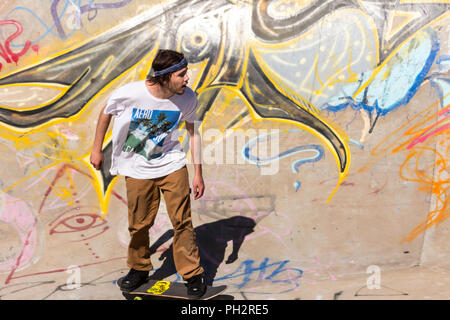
<point x="152" y="160"/>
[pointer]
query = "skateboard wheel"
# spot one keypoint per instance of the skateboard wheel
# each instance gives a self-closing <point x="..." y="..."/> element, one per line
<point x="137" y="298"/>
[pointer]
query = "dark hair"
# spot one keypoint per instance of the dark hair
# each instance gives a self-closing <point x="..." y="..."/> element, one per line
<point x="164" y="58"/>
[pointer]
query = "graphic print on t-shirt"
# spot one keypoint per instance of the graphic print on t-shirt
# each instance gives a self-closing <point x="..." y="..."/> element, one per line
<point x="148" y="129"/>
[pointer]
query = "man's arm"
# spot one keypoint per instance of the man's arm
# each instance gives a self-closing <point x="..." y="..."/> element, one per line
<point x="195" y="144"/>
<point x="100" y="132"/>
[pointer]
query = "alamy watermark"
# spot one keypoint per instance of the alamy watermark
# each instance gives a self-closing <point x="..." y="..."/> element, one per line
<point x="373" y="281"/>
<point x="260" y="147"/>
<point x="74" y="280"/>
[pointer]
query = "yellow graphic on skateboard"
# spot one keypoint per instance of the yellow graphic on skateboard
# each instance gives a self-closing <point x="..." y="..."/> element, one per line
<point x="159" y="287"/>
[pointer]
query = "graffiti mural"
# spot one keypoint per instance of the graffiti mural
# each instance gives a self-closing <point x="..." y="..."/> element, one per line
<point x="325" y="129"/>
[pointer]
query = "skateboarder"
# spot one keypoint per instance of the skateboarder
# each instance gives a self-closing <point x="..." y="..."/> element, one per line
<point x="152" y="160"/>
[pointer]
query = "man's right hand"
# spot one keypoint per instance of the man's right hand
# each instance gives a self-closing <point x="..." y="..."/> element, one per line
<point x="100" y="131"/>
<point x="97" y="159"/>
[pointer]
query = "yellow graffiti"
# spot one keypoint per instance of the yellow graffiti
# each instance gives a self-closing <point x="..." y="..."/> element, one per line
<point x="328" y="68"/>
<point x="310" y="42"/>
<point x="398" y="20"/>
<point x="98" y="181"/>
<point x="423" y="1"/>
<point x="54" y="143"/>
<point x="14" y="97"/>
<point x="326" y="77"/>
<point x="394" y="52"/>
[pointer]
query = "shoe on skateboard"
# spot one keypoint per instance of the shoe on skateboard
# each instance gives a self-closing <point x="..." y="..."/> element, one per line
<point x="169" y="289"/>
<point x="133" y="280"/>
<point x="196" y="286"/>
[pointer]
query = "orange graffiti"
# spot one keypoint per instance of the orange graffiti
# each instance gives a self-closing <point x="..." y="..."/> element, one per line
<point x="415" y="138"/>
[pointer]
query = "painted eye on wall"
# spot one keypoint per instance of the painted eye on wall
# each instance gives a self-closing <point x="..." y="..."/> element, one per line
<point x="78" y="226"/>
<point x="78" y="222"/>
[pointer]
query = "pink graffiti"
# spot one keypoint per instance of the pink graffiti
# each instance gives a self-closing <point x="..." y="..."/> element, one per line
<point x="424" y="136"/>
<point x="19" y="217"/>
<point x="5" y="49"/>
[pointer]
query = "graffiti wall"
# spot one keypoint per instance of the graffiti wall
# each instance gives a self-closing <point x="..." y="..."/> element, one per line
<point x="325" y="129"/>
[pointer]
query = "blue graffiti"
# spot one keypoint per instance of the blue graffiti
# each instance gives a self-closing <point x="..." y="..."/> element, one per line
<point x="34" y="15"/>
<point x="59" y="32"/>
<point x="440" y="81"/>
<point x="247" y="271"/>
<point x="395" y="83"/>
<point x="275" y="272"/>
<point x="359" y="144"/>
<point x="442" y="85"/>
<point x="443" y="62"/>
<point x="317" y="149"/>
<point x="309" y="148"/>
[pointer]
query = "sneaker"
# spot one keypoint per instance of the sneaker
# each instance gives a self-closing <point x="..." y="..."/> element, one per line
<point x="133" y="280"/>
<point x="196" y="286"/>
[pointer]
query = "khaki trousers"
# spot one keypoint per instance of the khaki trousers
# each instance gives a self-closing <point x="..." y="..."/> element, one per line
<point x="143" y="203"/>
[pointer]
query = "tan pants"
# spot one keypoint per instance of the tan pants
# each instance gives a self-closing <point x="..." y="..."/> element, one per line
<point x="143" y="203"/>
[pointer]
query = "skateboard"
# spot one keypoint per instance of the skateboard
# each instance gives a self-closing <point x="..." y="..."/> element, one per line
<point x="169" y="289"/>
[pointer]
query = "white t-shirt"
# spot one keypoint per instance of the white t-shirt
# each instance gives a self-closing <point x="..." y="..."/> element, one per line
<point x="144" y="146"/>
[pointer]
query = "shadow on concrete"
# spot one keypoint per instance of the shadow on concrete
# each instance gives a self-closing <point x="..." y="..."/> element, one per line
<point x="212" y="239"/>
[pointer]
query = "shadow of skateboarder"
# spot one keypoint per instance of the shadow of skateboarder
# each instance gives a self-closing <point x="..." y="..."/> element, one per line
<point x="212" y="239"/>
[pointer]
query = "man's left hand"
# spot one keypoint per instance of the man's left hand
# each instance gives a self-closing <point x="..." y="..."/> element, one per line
<point x="198" y="187"/>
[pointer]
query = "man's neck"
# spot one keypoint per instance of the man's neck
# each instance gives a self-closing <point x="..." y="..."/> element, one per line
<point x="158" y="91"/>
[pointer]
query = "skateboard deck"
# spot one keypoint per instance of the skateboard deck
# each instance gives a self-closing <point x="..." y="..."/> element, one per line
<point x="169" y="289"/>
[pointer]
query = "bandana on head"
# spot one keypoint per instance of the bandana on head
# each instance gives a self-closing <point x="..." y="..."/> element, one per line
<point x="180" y="65"/>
